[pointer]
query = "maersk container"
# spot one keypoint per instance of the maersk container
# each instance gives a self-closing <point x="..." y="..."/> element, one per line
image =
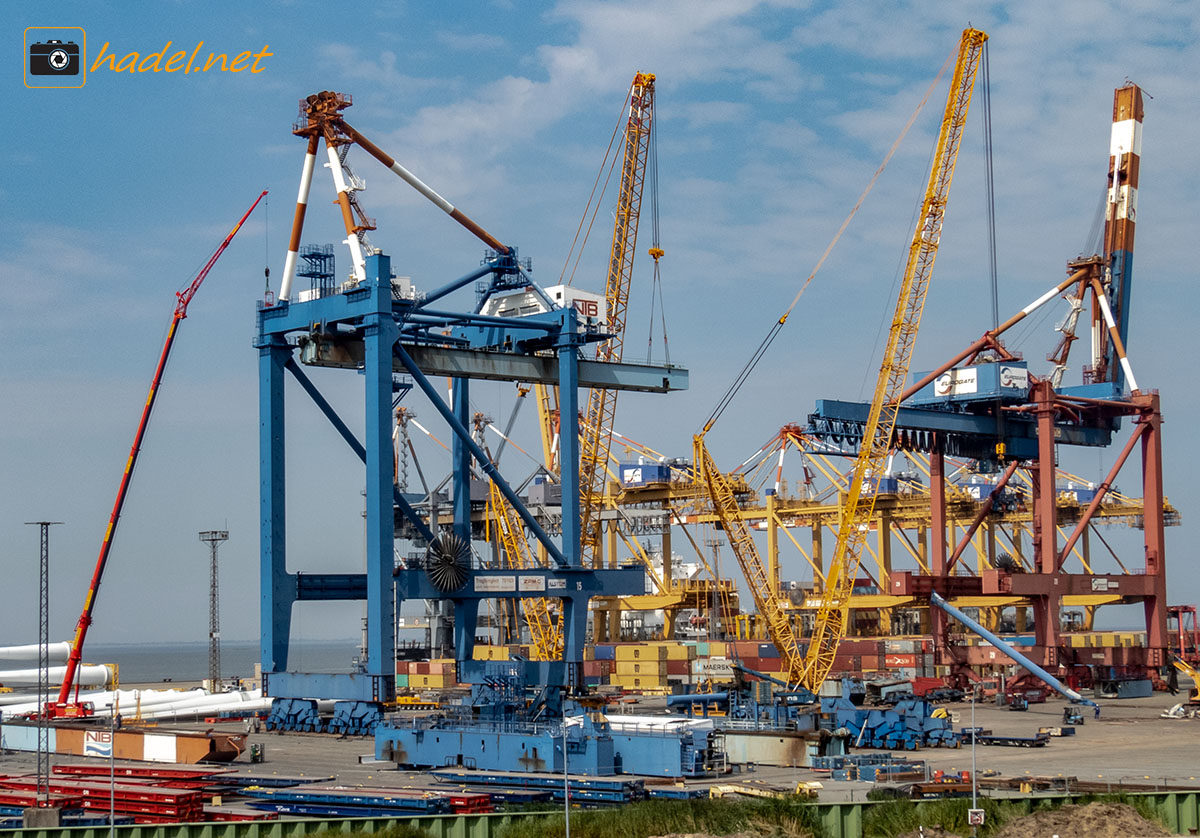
<point x="1004" y="380"/>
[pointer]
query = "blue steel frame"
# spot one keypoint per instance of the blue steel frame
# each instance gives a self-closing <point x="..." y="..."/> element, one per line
<point x="368" y="316"/>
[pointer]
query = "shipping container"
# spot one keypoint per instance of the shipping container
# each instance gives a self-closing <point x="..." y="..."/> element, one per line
<point x="639" y="475"/>
<point x="639" y="651"/>
<point x="643" y="667"/>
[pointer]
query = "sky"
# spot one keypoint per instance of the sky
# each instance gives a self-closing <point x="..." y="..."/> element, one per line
<point x="770" y="119"/>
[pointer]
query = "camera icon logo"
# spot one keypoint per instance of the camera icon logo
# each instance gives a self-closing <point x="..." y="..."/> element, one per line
<point x="56" y="56"/>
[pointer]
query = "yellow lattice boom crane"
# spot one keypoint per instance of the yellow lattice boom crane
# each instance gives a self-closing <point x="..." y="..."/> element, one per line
<point x="596" y="423"/>
<point x="596" y="427"/>
<point x="545" y="631"/>
<point x="811" y="668"/>
<point x="830" y="624"/>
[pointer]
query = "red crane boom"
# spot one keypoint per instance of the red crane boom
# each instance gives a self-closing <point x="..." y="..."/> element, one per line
<point x="63" y="707"/>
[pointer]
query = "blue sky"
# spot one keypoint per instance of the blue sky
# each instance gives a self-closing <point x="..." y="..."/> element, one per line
<point x="771" y="117"/>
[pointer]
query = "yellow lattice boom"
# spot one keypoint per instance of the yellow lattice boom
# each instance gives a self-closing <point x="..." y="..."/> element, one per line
<point x="544" y="631"/>
<point x="831" y="618"/>
<point x="596" y="427"/>
<point x="741" y="542"/>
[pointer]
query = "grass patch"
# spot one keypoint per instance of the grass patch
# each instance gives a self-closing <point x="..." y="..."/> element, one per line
<point x="776" y="818"/>
<point x="897" y="817"/>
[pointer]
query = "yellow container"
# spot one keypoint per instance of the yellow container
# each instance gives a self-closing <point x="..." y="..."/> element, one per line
<point x="643" y="667"/>
<point x="638" y="652"/>
<point x="435" y="682"/>
<point x="636" y="682"/>
<point x="679" y="652"/>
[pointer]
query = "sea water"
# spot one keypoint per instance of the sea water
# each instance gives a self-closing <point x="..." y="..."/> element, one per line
<point x="143" y="663"/>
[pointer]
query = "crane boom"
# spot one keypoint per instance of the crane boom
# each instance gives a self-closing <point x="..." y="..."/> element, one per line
<point x="85" y="618"/>
<point x="830" y="624"/>
<point x="596" y="428"/>
<point x="741" y="542"/>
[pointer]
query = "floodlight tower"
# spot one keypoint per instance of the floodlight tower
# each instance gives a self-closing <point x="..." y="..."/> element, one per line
<point x="43" y="733"/>
<point x="213" y="539"/>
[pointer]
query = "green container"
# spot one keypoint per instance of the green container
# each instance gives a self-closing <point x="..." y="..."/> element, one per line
<point x="402" y="680"/>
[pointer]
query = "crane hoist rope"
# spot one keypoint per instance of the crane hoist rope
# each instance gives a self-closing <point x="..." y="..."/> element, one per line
<point x="779" y="323"/>
<point x="596" y="427"/>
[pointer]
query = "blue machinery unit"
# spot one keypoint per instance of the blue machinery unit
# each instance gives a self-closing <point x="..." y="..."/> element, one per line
<point x="376" y="325"/>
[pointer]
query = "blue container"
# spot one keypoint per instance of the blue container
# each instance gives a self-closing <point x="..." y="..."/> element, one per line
<point x="767" y="650"/>
<point x="1004" y="380"/>
<point x="605" y="653"/>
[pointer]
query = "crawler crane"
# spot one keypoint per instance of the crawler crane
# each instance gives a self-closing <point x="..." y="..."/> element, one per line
<point x="597" y="419"/>
<point x="810" y="668"/>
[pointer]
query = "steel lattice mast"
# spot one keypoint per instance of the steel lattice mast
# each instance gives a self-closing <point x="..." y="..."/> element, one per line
<point x="43" y="734"/>
<point x="214" y="539"/>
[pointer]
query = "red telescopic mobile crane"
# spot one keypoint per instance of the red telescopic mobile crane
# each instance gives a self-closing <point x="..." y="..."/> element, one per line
<point x="64" y="707"/>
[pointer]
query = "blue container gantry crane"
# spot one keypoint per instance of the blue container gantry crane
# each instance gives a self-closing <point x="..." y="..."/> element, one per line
<point x="375" y="324"/>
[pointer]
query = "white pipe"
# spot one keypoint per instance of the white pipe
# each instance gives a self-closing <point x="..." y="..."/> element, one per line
<point x="1040" y="301"/>
<point x="289" y="265"/>
<point x="59" y="652"/>
<point x="97" y="675"/>
<point x="420" y="185"/>
<point x="1108" y="318"/>
<point x="339" y="181"/>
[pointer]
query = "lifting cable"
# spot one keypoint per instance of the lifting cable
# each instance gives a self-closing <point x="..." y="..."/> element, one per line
<point x="622" y="115"/>
<point x="745" y="372"/>
<point x="990" y="198"/>
<point x="656" y="252"/>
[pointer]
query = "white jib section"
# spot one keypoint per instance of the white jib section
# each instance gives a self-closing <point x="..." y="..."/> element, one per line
<point x="339" y="181"/>
<point x="1108" y="318"/>
<point x="1040" y="301"/>
<point x="289" y="265"/>
<point x="419" y="185"/>
<point x="1126" y="137"/>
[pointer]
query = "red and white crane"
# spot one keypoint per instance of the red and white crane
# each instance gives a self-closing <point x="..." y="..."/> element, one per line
<point x="64" y="707"/>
